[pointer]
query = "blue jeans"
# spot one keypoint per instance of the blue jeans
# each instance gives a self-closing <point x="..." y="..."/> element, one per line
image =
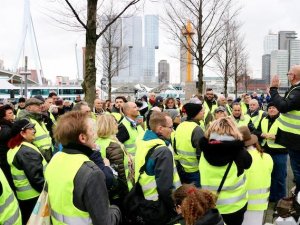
<point x="295" y="164"/>
<point x="279" y="174"/>
<point x="189" y="178"/>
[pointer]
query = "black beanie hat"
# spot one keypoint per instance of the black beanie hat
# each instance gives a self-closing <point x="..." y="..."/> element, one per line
<point x="192" y="109"/>
<point x="271" y="104"/>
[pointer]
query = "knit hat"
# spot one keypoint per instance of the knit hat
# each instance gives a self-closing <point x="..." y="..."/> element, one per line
<point x="248" y="138"/>
<point x="22" y="99"/>
<point x="172" y="112"/>
<point x="21" y="125"/>
<point x="33" y="101"/>
<point x="271" y="104"/>
<point x="192" y="109"/>
<point x="159" y="100"/>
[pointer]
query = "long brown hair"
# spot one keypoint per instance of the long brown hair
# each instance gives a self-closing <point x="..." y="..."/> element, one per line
<point x="194" y="202"/>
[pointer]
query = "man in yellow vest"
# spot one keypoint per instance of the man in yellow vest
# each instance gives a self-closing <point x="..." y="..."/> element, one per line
<point x="21" y="105"/>
<point x="255" y="113"/>
<point x="210" y="105"/>
<point x="240" y="118"/>
<point x="269" y="128"/>
<point x="222" y="101"/>
<point x="130" y="129"/>
<point x="160" y="176"/>
<point x="288" y="133"/>
<point x="245" y="103"/>
<point x="116" y="110"/>
<point x="33" y="112"/>
<point x="76" y="185"/>
<point x="186" y="144"/>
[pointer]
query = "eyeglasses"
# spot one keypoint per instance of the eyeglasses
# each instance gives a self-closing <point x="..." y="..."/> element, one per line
<point x="171" y="128"/>
<point x="290" y="74"/>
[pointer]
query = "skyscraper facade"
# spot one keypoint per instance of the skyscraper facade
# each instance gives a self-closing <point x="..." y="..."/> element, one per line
<point x="279" y="65"/>
<point x="284" y="37"/>
<point x="163" y="72"/>
<point x="266" y="67"/>
<point x="294" y="53"/>
<point x="270" y="43"/>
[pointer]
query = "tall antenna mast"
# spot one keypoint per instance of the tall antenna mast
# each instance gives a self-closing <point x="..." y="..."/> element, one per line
<point x="29" y="32"/>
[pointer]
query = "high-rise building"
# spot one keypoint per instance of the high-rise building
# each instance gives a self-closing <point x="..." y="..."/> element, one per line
<point x="284" y="37"/>
<point x="279" y="65"/>
<point x="163" y="72"/>
<point x="294" y="53"/>
<point x="266" y="67"/>
<point x="270" y="43"/>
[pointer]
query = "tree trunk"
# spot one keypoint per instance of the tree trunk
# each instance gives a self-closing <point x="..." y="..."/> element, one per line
<point x="200" y="79"/>
<point x="89" y="84"/>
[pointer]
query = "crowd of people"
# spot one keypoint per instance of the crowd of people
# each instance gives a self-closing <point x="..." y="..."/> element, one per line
<point x="210" y="161"/>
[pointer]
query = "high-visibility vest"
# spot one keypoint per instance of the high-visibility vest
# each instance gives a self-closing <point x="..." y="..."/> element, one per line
<point x="118" y="116"/>
<point x="104" y="143"/>
<point x="134" y="134"/>
<point x="256" y="119"/>
<point x="147" y="182"/>
<point x="186" y="153"/>
<point x="290" y="121"/>
<point x="60" y="175"/>
<point x="233" y="195"/>
<point x="243" y="121"/>
<point x="24" y="190"/>
<point x="9" y="207"/>
<point x="52" y="118"/>
<point x="244" y="108"/>
<point x="273" y="130"/>
<point x="207" y="109"/>
<point x="42" y="139"/>
<point x="259" y="180"/>
<point x="228" y="109"/>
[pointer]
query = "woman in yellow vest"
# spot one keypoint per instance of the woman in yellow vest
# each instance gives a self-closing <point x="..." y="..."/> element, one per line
<point x="120" y="160"/>
<point x="258" y="179"/>
<point x="195" y="207"/>
<point x="221" y="146"/>
<point x="27" y="166"/>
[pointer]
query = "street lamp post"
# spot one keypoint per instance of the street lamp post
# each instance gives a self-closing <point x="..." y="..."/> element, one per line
<point x="25" y="73"/>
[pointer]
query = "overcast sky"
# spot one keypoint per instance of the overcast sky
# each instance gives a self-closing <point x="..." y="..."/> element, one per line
<point x="57" y="46"/>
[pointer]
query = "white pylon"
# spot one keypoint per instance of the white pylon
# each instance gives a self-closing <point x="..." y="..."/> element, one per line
<point x="28" y="32"/>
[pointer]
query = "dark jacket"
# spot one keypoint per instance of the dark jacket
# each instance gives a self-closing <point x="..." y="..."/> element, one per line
<point x="219" y="153"/>
<point x="90" y="193"/>
<point x="5" y="135"/>
<point x="211" y="217"/>
<point x="30" y="161"/>
<point x="284" y="105"/>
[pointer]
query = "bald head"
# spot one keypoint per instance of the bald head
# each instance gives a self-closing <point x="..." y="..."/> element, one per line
<point x="222" y="100"/>
<point x="131" y="110"/>
<point x="294" y="74"/>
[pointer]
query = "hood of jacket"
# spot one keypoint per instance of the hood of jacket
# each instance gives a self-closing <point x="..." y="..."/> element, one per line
<point x="212" y="217"/>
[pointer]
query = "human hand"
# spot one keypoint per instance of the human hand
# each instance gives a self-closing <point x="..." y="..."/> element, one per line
<point x="106" y="162"/>
<point x="275" y="82"/>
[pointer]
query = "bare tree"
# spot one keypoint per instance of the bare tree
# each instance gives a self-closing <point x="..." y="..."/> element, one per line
<point x="113" y="55"/>
<point x="91" y="23"/>
<point x="207" y="23"/>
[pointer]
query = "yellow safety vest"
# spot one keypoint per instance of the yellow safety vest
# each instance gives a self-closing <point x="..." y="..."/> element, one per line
<point x="207" y="110"/>
<point x="104" y="143"/>
<point x="290" y="121"/>
<point x="256" y="119"/>
<point x="244" y="108"/>
<point x="243" y="121"/>
<point x="273" y="130"/>
<point x="60" y="175"/>
<point x="147" y="182"/>
<point x="134" y="134"/>
<point x="259" y="180"/>
<point x="24" y="190"/>
<point x="233" y="195"/>
<point x="186" y="153"/>
<point x="9" y="207"/>
<point x="42" y="140"/>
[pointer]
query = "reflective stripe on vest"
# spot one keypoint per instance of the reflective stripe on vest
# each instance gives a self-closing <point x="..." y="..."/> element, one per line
<point x="9" y="207"/>
<point x="70" y="220"/>
<point x="186" y="153"/>
<point x="148" y="183"/>
<point x="230" y="200"/>
<point x="273" y="130"/>
<point x="60" y="175"/>
<point x="24" y="190"/>
<point x="134" y="134"/>
<point x="259" y="186"/>
<point x="42" y="138"/>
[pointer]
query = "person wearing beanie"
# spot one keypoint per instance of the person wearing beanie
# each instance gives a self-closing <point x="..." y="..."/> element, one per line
<point x="175" y="115"/>
<point x="27" y="166"/>
<point x="269" y="130"/>
<point x="186" y="144"/>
